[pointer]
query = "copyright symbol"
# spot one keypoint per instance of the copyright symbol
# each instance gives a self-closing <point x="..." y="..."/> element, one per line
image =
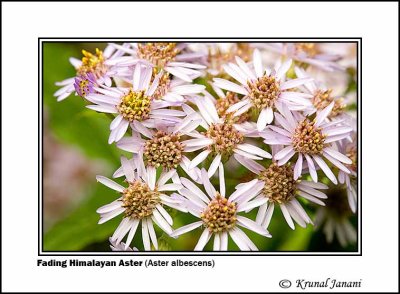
<point x="285" y="284"/>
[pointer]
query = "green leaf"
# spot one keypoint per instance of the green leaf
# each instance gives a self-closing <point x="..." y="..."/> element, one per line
<point x="80" y="228"/>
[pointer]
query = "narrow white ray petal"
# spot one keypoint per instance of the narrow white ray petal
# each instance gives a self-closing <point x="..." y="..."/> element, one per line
<point x="145" y="236"/>
<point x="337" y="155"/>
<point x="336" y="131"/>
<point x="221" y="177"/>
<point x="199" y="158"/>
<point x="120" y="130"/>
<point x="293" y="213"/>
<point x="310" y="197"/>
<point x="227" y="85"/>
<point x="193" y="198"/>
<point x="165" y="176"/>
<point x="110" y="183"/>
<point x="123" y="231"/>
<point x="109" y="207"/>
<point x="295" y="83"/>
<point x="239" y="240"/>
<point x="336" y="163"/>
<point x="287" y="216"/>
<point x="262" y="119"/>
<point x="152" y="233"/>
<point x="151" y="177"/>
<point x="261" y="213"/>
<point x="193" y="188"/>
<point x="281" y="154"/>
<point x="286" y="158"/>
<point x="161" y="222"/>
<point x="203" y="142"/>
<point x="325" y="168"/>
<point x="251" y="225"/>
<point x="121" y="225"/>
<point x="247" y="206"/>
<point x="133" y="228"/>
<point x="251" y="194"/>
<point x="311" y="168"/>
<point x="298" y="167"/>
<point x="170" y="187"/>
<point x="268" y="216"/>
<point x="136" y="77"/>
<point x="249" y="164"/>
<point x="248" y="155"/>
<point x="187" y="228"/>
<point x="217" y="242"/>
<point x="103" y="108"/>
<point x="207" y="184"/>
<point x="314" y="185"/>
<point x="142" y="129"/>
<point x="243" y="189"/>
<point x="300" y="210"/>
<point x="110" y="215"/>
<point x="230" y="71"/>
<point x="127" y="168"/>
<point x="165" y="214"/>
<point x="253" y="149"/>
<point x="214" y="165"/>
<point x="224" y="241"/>
<point x="205" y="236"/>
<point x="245" y="68"/>
<point x="237" y="105"/>
<point x="311" y="191"/>
<point x="323" y="114"/>
<point x="257" y="63"/>
<point x="178" y="73"/>
<point x="116" y="121"/>
<point x="283" y="69"/>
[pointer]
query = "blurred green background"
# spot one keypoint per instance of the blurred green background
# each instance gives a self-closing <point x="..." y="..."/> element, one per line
<point x="76" y="150"/>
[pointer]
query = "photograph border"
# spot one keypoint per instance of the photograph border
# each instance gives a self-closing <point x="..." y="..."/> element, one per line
<point x="43" y="40"/>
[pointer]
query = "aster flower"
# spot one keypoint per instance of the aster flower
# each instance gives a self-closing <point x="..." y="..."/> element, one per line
<point x="263" y="89"/>
<point x="278" y="184"/>
<point x="309" y="139"/>
<point x="322" y="97"/>
<point x="308" y="53"/>
<point x="141" y="202"/>
<point x="163" y="147"/>
<point x="91" y="70"/>
<point x="137" y="103"/>
<point x="334" y="218"/>
<point x="219" y="216"/>
<point x="173" y="58"/>
<point x="221" y="138"/>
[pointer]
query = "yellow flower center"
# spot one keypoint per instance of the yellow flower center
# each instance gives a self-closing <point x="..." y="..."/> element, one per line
<point x="135" y="106"/>
<point x="139" y="201"/>
<point x="219" y="215"/>
<point x="307" y="138"/>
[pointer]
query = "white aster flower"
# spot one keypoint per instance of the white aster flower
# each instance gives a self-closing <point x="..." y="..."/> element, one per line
<point x="310" y="140"/>
<point x="263" y="89"/>
<point x="141" y="203"/>
<point x="163" y="147"/>
<point x="137" y="103"/>
<point x="221" y="139"/>
<point x="314" y="54"/>
<point x="173" y="58"/>
<point x="219" y="216"/>
<point x="277" y="184"/>
<point x="91" y="70"/>
<point x="322" y="97"/>
<point x="334" y="218"/>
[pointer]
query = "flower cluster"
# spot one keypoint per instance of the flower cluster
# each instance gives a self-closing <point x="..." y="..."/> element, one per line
<point x="219" y="131"/>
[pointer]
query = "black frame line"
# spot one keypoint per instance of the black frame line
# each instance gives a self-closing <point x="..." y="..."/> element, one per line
<point x="42" y="40"/>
